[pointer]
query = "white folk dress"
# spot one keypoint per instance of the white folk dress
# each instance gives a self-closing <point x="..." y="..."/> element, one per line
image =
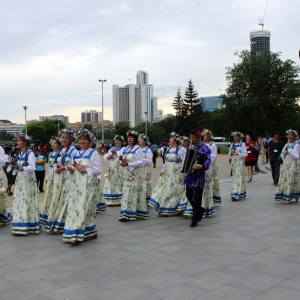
<point x="238" y="190"/>
<point x="57" y="211"/>
<point x="113" y="184"/>
<point x="169" y="189"/>
<point x="133" y="203"/>
<point x="289" y="181"/>
<point x="5" y="215"/>
<point x="25" y="201"/>
<point x="146" y="170"/>
<point x="80" y="223"/>
<point x="49" y="187"/>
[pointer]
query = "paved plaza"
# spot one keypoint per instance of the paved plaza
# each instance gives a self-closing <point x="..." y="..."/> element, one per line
<point x="249" y="250"/>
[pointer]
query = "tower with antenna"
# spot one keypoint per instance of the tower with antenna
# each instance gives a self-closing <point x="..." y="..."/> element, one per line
<point x="260" y="39"/>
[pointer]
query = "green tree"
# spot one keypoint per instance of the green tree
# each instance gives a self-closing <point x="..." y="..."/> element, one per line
<point x="191" y="110"/>
<point x="178" y="107"/>
<point x="88" y="127"/>
<point x="121" y="128"/>
<point x="41" y="131"/>
<point x="5" y="136"/>
<point x="262" y="92"/>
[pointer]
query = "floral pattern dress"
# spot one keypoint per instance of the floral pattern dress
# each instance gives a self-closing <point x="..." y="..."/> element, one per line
<point x="169" y="189"/>
<point x="289" y="181"/>
<point x="57" y="211"/>
<point x="113" y="184"/>
<point x="5" y="215"/>
<point x="238" y="191"/>
<point x="146" y="170"/>
<point x="25" y="201"/>
<point x="80" y="223"/>
<point x="133" y="204"/>
<point x="49" y="187"/>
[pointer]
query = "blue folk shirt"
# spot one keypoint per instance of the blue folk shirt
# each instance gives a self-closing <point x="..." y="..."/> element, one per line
<point x="193" y="181"/>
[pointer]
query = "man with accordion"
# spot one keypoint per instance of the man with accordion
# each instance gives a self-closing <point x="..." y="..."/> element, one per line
<point x="196" y="162"/>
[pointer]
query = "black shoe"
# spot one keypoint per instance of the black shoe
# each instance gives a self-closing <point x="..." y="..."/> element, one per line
<point x="42" y="191"/>
<point x="193" y="224"/>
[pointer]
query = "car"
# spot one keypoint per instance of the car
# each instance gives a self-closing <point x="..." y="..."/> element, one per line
<point x="221" y="142"/>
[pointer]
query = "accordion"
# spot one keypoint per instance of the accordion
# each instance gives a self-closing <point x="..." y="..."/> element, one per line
<point x="193" y="157"/>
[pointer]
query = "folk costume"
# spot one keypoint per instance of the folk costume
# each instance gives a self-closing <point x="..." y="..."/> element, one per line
<point x="112" y="190"/>
<point x="49" y="183"/>
<point x="238" y="152"/>
<point x="57" y="211"/>
<point x="133" y="203"/>
<point x="80" y="223"/>
<point x="25" y="200"/>
<point x="288" y="188"/>
<point x="5" y="215"/>
<point x="169" y="190"/>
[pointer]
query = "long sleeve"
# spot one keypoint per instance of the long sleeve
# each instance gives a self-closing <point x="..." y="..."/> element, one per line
<point x="206" y="149"/>
<point x="292" y="154"/>
<point x="2" y="157"/>
<point x="138" y="160"/>
<point x="30" y="168"/>
<point x="96" y="168"/>
<point x="148" y="159"/>
<point x="182" y="153"/>
<point x="214" y="151"/>
<point x="243" y="152"/>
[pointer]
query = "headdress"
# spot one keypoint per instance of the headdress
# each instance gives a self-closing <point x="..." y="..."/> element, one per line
<point x="69" y="132"/>
<point x="207" y="132"/>
<point x="143" y="136"/>
<point x="54" y="138"/>
<point x="185" y="138"/>
<point x="291" y="131"/>
<point x="119" y="137"/>
<point x="176" y="136"/>
<point x="237" y="133"/>
<point x="132" y="133"/>
<point x="26" y="137"/>
<point x="87" y="133"/>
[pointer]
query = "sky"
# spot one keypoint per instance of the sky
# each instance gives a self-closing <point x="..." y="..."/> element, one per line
<point x="52" y="53"/>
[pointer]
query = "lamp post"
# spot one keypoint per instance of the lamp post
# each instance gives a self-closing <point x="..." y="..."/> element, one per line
<point x="102" y="80"/>
<point x="146" y="113"/>
<point x="57" y="128"/>
<point x="25" y="108"/>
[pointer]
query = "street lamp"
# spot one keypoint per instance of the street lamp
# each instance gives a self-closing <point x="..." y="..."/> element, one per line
<point x="25" y="108"/>
<point x="104" y="80"/>
<point x="146" y="113"/>
<point x="57" y="128"/>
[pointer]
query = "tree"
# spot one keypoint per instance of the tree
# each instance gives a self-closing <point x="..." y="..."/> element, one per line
<point x="178" y="107"/>
<point x="5" y="136"/>
<point x="191" y="109"/>
<point x="88" y="126"/>
<point x="41" y="131"/>
<point x="121" y="128"/>
<point x="262" y="92"/>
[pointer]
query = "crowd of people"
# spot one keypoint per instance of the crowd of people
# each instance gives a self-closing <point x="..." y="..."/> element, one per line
<point x="188" y="183"/>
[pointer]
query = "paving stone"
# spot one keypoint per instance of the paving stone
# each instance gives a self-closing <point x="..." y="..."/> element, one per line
<point x="279" y="292"/>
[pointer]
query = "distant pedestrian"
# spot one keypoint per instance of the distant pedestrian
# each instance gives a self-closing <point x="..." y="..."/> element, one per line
<point x="40" y="170"/>
<point x="274" y="150"/>
<point x="154" y="149"/>
<point x="250" y="160"/>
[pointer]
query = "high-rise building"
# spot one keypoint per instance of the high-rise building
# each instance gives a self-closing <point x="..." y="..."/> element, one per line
<point x="134" y="103"/>
<point x="91" y="116"/>
<point x="259" y="41"/>
<point x="56" y="117"/>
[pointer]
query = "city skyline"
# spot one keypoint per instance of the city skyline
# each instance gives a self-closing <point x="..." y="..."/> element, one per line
<point x="55" y="52"/>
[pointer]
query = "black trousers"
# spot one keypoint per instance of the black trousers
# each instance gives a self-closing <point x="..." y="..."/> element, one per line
<point x="40" y="176"/>
<point x="154" y="159"/>
<point x="275" y="166"/>
<point x="194" y="195"/>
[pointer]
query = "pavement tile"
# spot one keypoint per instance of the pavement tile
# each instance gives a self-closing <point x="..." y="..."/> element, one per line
<point x="279" y="292"/>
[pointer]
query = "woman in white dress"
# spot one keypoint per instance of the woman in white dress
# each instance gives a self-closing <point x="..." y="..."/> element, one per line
<point x="237" y="153"/>
<point x="288" y="188"/>
<point x="80" y="223"/>
<point x="112" y="190"/>
<point x="169" y="189"/>
<point x="25" y="201"/>
<point x="55" y="144"/>
<point x="5" y="215"/>
<point x="133" y="203"/>
<point x="147" y="165"/>
<point x="57" y="211"/>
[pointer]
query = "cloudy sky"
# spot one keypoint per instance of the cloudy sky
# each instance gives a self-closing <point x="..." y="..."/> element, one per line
<point x="52" y="53"/>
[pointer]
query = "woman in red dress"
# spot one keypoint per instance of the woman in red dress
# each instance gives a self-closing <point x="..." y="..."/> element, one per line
<point x="250" y="160"/>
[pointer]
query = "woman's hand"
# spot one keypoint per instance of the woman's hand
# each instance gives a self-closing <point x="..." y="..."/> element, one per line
<point x="161" y="173"/>
<point x="123" y="164"/>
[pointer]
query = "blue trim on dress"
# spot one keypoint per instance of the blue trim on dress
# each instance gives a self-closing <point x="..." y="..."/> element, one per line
<point x="288" y="197"/>
<point x="26" y="224"/>
<point x="6" y="218"/>
<point x="77" y="232"/>
<point x="112" y="196"/>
